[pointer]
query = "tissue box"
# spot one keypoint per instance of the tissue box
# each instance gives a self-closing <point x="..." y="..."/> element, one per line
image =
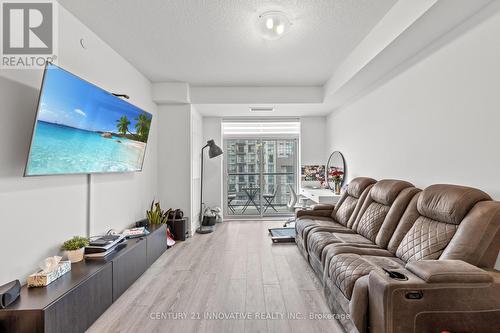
<point x="42" y="279"/>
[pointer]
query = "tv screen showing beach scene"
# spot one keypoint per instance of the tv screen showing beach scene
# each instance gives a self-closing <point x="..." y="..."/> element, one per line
<point x="81" y="129"/>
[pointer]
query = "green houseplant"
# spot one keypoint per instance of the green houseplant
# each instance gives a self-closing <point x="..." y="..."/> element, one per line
<point x="74" y="248"/>
<point x="155" y="214"/>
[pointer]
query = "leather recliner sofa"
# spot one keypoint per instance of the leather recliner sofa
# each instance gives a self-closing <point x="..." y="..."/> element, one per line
<point x="425" y="266"/>
<point x="340" y="217"/>
<point x="378" y="217"/>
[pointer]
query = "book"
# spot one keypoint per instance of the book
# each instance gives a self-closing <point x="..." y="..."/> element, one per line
<point x="101" y="255"/>
<point x="103" y="243"/>
<point x="135" y="232"/>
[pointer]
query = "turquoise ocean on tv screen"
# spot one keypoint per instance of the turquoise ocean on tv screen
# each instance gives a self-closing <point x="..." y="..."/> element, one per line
<point x="81" y="128"/>
<point x="60" y="149"/>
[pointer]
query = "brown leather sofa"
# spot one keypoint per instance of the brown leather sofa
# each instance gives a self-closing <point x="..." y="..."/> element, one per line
<point x="379" y="215"/>
<point x="340" y="217"/>
<point x="410" y="260"/>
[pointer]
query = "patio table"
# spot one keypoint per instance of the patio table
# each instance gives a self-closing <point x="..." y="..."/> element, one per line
<point x="251" y="192"/>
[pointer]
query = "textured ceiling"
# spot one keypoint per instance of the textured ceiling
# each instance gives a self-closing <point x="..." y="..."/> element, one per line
<point x="215" y="42"/>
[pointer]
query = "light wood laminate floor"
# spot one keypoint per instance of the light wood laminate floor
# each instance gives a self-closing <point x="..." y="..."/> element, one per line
<point x="233" y="272"/>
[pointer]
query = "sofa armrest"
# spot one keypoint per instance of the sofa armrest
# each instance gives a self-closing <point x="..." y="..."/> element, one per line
<point x="323" y="207"/>
<point x="448" y="271"/>
<point x="314" y="213"/>
<point x="415" y="305"/>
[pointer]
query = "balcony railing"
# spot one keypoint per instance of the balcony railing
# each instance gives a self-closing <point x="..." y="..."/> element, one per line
<point x="250" y="197"/>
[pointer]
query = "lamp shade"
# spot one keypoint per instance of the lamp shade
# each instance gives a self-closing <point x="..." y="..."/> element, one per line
<point x="213" y="149"/>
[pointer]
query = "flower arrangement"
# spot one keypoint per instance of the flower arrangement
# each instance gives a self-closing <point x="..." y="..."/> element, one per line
<point x="336" y="176"/>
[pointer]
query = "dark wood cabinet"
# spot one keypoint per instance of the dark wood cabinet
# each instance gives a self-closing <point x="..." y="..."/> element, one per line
<point x="69" y="304"/>
<point x="156" y="243"/>
<point x="128" y="266"/>
<point x="79" y="308"/>
<point x="74" y="301"/>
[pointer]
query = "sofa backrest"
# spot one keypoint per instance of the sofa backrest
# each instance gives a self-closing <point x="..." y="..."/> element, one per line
<point x="453" y="222"/>
<point x="406" y="222"/>
<point x="382" y="210"/>
<point x="349" y="204"/>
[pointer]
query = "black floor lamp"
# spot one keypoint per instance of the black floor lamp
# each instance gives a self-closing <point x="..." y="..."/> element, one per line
<point x="213" y="151"/>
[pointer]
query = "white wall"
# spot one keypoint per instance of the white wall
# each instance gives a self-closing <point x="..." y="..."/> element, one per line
<point x="37" y="214"/>
<point x="212" y="188"/>
<point x="435" y="123"/>
<point x="174" y="156"/>
<point x="180" y="141"/>
<point x="196" y="144"/>
<point x="313" y="141"/>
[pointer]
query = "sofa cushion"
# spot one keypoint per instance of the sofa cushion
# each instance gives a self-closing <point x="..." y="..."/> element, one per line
<point x="383" y="209"/>
<point x="449" y="203"/>
<point x="304" y="222"/>
<point x="352" y="238"/>
<point x="304" y="226"/>
<point x="318" y="240"/>
<point x="358" y="185"/>
<point x="387" y="190"/>
<point x="426" y="240"/>
<point x="345" y="210"/>
<point x="442" y="209"/>
<point x="372" y="219"/>
<point x="346" y="269"/>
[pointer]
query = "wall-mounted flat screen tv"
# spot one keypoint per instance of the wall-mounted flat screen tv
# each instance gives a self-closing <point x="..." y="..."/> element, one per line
<point x="81" y="129"/>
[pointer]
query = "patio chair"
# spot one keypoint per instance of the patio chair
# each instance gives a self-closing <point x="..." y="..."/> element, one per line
<point x="293" y="204"/>
<point x="230" y="198"/>
<point x="270" y="198"/>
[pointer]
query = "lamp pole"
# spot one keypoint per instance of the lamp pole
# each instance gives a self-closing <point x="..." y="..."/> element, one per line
<point x="213" y="151"/>
<point x="200" y="218"/>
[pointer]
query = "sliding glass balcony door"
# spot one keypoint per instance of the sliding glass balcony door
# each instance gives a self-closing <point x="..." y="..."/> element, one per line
<point x="258" y="175"/>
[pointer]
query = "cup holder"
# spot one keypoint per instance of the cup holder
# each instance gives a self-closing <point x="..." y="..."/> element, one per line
<point x="396" y="275"/>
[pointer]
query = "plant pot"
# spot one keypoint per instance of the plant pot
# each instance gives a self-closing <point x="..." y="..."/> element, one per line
<point x="208" y="221"/>
<point x="75" y="255"/>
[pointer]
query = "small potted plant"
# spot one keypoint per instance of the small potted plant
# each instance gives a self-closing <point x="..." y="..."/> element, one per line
<point x="156" y="215"/>
<point x="212" y="215"/>
<point x="74" y="248"/>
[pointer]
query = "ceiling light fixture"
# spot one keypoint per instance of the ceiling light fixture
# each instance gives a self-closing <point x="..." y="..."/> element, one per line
<point x="273" y="25"/>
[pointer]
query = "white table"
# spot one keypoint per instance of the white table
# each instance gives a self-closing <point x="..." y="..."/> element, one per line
<point x="320" y="195"/>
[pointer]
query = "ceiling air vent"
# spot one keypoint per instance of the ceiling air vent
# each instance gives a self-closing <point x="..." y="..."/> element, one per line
<point x="261" y="109"/>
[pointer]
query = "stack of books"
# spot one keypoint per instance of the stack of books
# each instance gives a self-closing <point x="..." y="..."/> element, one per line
<point x="101" y="246"/>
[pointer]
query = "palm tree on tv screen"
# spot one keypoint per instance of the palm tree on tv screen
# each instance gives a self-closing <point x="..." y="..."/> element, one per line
<point x="142" y="126"/>
<point x="122" y="125"/>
